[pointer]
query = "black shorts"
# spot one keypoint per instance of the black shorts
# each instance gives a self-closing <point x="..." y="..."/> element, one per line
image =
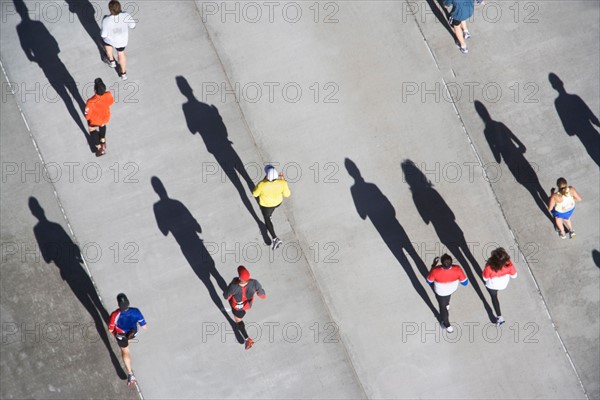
<point x="117" y="48"/>
<point x="123" y="341"/>
<point x="238" y="313"/>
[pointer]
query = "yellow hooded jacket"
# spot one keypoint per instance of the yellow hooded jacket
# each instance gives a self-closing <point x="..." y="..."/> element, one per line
<point x="271" y="193"/>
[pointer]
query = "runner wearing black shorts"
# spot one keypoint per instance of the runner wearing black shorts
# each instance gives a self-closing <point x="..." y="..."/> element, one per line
<point x="240" y="294"/>
<point x="123" y="324"/>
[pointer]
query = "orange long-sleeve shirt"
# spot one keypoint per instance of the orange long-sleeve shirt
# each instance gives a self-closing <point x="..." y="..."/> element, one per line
<point x="97" y="109"/>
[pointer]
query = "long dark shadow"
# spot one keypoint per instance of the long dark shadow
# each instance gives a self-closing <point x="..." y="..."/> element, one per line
<point x="41" y="47"/>
<point x="86" y="13"/>
<point x="205" y="120"/>
<point x="438" y="9"/>
<point x="174" y="218"/>
<point x="577" y="118"/>
<point x="507" y="147"/>
<point x="433" y="209"/>
<point x="596" y="257"/>
<point x="371" y="203"/>
<point x="57" y="247"/>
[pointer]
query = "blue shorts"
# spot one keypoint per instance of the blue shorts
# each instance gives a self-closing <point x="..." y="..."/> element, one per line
<point x="563" y="215"/>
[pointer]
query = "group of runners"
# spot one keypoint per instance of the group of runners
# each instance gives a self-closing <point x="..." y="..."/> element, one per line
<point x="240" y="293"/>
<point x="499" y="268"/>
<point x="125" y="320"/>
<point x="445" y="276"/>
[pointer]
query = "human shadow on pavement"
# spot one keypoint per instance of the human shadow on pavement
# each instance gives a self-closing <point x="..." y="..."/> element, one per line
<point x="438" y="9"/>
<point x="86" y="13"/>
<point x="433" y="209"/>
<point x="56" y="246"/>
<point x="371" y="203"/>
<point x="173" y="217"/>
<point x="596" y="257"/>
<point x="505" y="145"/>
<point x="577" y="118"/>
<point x="205" y="120"/>
<point x="41" y="47"/>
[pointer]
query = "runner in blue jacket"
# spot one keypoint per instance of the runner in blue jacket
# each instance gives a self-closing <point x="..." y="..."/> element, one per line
<point x="462" y="10"/>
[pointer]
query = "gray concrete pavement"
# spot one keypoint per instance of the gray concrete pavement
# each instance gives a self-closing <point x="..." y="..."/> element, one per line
<point x="54" y="345"/>
<point x="526" y="106"/>
<point x="333" y="95"/>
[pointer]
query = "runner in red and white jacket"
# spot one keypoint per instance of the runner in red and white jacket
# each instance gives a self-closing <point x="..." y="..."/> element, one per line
<point x="240" y="294"/>
<point x="496" y="274"/>
<point x="445" y="279"/>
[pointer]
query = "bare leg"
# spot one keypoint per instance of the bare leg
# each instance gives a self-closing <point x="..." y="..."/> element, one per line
<point x="463" y="26"/>
<point x="122" y="61"/>
<point x="559" y="225"/>
<point x="458" y="32"/>
<point x="126" y="359"/>
<point x="567" y="222"/>
<point x="109" y="52"/>
<point x="93" y="129"/>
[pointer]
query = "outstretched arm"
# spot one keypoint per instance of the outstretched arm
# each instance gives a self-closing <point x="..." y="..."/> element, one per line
<point x="164" y="229"/>
<point x="257" y="190"/>
<point x="514" y="138"/>
<point x="575" y="194"/>
<point x="551" y="203"/>
<point x="590" y="115"/>
<point x="260" y="292"/>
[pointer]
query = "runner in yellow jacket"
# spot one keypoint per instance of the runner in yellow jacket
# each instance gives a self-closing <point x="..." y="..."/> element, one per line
<point x="270" y="192"/>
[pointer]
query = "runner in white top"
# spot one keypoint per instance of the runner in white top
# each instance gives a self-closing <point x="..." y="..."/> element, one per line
<point x="115" y="33"/>
<point x="562" y="206"/>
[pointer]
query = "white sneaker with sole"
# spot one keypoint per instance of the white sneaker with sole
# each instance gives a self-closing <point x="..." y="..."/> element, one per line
<point x="276" y="243"/>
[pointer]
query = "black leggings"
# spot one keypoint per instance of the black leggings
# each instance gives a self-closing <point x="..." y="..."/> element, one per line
<point x="443" y="301"/>
<point x="495" y="302"/>
<point x="267" y="212"/>
<point x="102" y="132"/>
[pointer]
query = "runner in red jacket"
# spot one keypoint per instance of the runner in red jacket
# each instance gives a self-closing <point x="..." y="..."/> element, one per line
<point x="496" y="274"/>
<point x="240" y="294"/>
<point x="445" y="279"/>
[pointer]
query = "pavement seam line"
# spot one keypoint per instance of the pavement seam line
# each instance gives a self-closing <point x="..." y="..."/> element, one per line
<point x="261" y="156"/>
<point x="531" y="274"/>
<point x="62" y="210"/>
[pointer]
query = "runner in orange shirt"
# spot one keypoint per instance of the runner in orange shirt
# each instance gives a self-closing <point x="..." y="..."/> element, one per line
<point x="97" y="113"/>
